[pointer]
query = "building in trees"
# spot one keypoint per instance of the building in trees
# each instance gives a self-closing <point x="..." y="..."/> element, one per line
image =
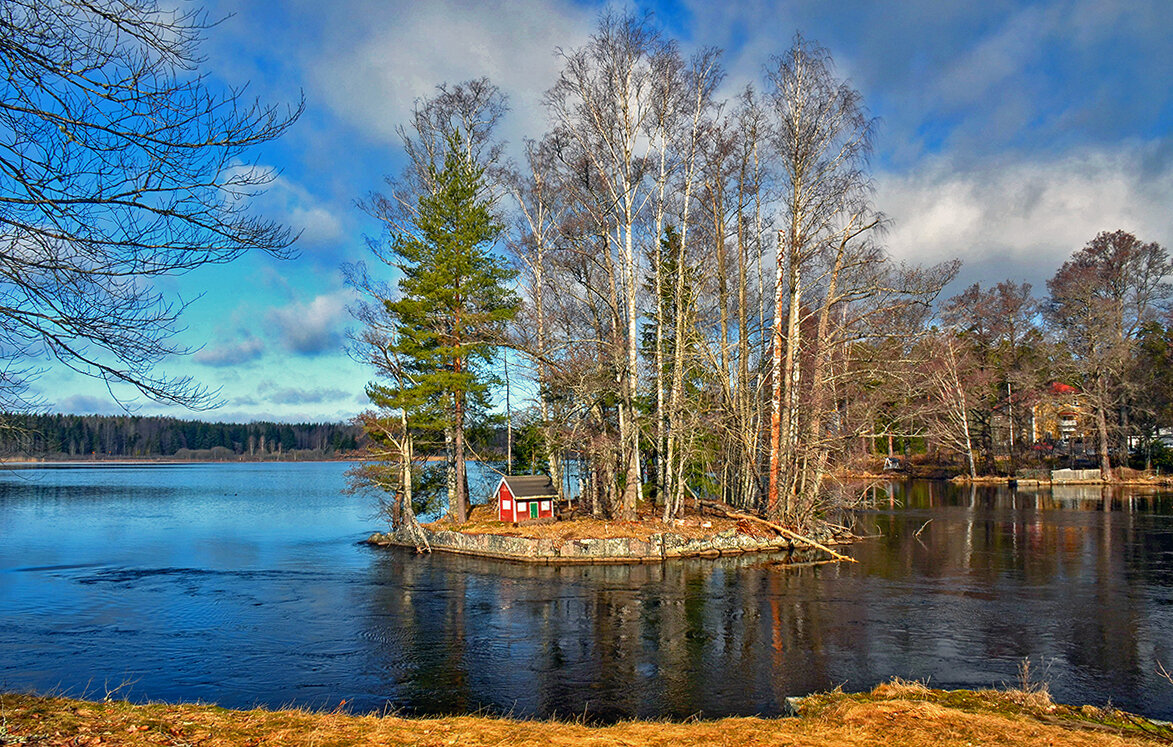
<point x="1101" y="300"/>
<point x="1063" y="414"/>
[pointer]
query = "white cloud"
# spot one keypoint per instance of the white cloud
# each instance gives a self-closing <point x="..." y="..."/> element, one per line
<point x="231" y="353"/>
<point x="295" y="396"/>
<point x="1027" y="215"/>
<point x="318" y="225"/>
<point x="312" y="328"/>
<point x="290" y="204"/>
<point x="84" y="404"/>
<point x="376" y="60"/>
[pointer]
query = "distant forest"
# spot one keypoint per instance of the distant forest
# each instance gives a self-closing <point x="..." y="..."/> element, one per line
<point x="104" y="436"/>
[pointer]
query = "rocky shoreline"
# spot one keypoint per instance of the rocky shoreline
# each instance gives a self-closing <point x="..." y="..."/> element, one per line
<point x="656" y="548"/>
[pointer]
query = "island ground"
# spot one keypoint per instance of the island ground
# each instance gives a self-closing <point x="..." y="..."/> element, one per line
<point x="710" y="529"/>
<point x="898" y="713"/>
<point x="482" y="519"/>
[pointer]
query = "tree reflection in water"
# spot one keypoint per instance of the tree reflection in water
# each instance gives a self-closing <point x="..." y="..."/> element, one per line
<point x="1076" y="579"/>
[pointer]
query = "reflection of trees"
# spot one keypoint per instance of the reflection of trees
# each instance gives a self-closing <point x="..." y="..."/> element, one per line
<point x="1041" y="573"/>
<point x="417" y="635"/>
<point x="995" y="576"/>
<point x="687" y="637"/>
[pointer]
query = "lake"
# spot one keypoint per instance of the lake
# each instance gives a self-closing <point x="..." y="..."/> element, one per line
<point x="246" y="584"/>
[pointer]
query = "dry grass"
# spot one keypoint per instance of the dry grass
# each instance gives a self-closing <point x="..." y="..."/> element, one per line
<point x="898" y="713"/>
<point x="483" y="520"/>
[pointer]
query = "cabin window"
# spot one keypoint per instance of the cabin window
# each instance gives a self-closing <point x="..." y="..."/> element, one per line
<point x="506" y="504"/>
<point x="545" y="505"/>
<point x="521" y="507"/>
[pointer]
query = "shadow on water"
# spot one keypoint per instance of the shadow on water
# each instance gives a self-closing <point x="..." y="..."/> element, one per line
<point x="245" y="585"/>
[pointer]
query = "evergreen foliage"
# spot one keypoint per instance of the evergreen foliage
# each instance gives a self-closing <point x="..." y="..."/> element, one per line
<point x="147" y="436"/>
<point x="454" y="298"/>
<point x="441" y="334"/>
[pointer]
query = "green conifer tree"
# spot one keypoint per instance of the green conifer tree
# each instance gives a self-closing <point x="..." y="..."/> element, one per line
<point x="453" y="304"/>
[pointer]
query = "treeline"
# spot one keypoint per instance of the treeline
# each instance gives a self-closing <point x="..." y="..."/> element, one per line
<point x="100" y="436"/>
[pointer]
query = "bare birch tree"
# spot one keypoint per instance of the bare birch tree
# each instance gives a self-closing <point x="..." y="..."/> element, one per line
<point x="950" y="394"/>
<point x="823" y="140"/>
<point x="602" y="106"/>
<point x="540" y="210"/>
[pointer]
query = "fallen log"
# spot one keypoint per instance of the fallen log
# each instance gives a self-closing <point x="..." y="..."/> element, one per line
<point x="776" y="527"/>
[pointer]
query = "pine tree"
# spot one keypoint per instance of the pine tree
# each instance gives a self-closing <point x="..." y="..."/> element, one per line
<point x="452" y="306"/>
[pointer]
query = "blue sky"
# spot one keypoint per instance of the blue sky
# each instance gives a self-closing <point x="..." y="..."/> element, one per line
<point x="1010" y="134"/>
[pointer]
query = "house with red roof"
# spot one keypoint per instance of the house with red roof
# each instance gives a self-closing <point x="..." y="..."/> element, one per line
<point x="1063" y="414"/>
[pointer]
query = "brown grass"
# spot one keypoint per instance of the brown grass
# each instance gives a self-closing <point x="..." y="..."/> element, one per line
<point x="899" y="713"/>
<point x="483" y="520"/>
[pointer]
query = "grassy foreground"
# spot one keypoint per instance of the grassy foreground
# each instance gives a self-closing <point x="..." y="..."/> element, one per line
<point x="899" y="713"/>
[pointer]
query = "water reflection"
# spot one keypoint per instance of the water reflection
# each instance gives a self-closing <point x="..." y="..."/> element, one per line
<point x="245" y="584"/>
<point x="995" y="575"/>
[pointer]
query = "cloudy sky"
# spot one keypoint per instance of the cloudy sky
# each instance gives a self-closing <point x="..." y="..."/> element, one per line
<point x="1010" y="134"/>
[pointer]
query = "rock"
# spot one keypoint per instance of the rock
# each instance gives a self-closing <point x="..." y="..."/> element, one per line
<point x="792" y="707"/>
<point x="601" y="549"/>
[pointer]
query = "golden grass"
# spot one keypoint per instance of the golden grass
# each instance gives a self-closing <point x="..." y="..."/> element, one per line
<point x="899" y="713"/>
<point x="483" y="520"/>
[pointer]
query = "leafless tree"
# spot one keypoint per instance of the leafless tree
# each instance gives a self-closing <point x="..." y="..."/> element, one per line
<point x="119" y="164"/>
<point x="390" y="467"/>
<point x="1000" y="328"/>
<point x="602" y="106"/>
<point x="823" y="140"/>
<point x="950" y="395"/>
<point x="1100" y="298"/>
<point x="534" y="241"/>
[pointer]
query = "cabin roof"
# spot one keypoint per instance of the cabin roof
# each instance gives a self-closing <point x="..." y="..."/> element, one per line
<point x="530" y="486"/>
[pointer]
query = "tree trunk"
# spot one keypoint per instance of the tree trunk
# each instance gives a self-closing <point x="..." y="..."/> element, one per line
<point x="1102" y="427"/>
<point x="462" y="503"/>
<point x="776" y="384"/>
<point x="450" y="469"/>
<point x="508" y="420"/>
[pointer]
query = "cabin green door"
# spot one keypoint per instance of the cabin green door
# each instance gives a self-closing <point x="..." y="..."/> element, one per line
<point x="533" y="509"/>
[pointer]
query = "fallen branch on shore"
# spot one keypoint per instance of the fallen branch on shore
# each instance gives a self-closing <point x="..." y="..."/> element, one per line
<point x="713" y="505"/>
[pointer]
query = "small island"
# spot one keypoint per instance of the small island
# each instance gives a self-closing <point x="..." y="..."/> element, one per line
<point x="569" y="535"/>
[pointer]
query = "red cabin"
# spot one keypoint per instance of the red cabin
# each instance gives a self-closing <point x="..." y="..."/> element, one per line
<point x="525" y="497"/>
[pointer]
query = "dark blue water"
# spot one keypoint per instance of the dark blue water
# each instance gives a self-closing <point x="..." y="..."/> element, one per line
<point x="245" y="584"/>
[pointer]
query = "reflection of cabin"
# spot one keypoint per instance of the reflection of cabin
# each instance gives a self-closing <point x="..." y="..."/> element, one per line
<point x="524" y="497"/>
<point x="1063" y="414"/>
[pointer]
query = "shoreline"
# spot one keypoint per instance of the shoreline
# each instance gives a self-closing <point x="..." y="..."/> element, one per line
<point x="161" y="461"/>
<point x="896" y="713"/>
<point x="711" y="531"/>
<point x="657" y="548"/>
<point x="1162" y="481"/>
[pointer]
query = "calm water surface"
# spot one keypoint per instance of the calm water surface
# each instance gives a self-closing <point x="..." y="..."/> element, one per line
<point x="245" y="584"/>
